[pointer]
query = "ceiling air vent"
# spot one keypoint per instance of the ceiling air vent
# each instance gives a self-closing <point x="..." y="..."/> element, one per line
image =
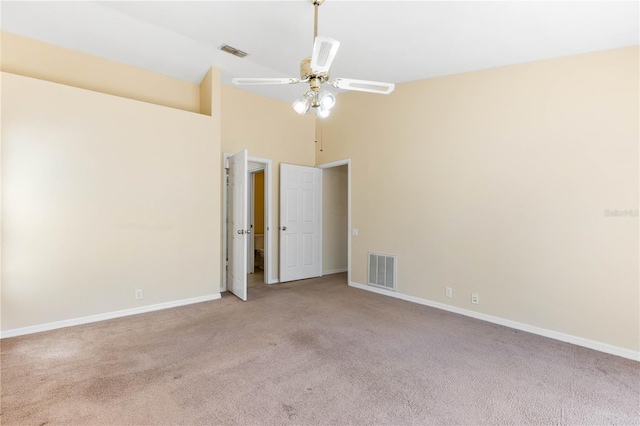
<point x="233" y="51"/>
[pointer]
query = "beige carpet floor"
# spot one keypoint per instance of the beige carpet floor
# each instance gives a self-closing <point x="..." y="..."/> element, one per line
<point x="309" y="352"/>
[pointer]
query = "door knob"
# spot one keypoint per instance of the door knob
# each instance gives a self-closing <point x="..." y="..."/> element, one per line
<point x="240" y="231"/>
<point x="248" y="231"/>
<point x="284" y="228"/>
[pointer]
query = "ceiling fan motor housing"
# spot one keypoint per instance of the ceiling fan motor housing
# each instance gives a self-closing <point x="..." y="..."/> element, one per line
<point x="307" y="75"/>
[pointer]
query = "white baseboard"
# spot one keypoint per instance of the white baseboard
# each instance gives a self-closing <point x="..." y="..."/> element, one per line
<point x="334" y="271"/>
<point x="106" y="316"/>
<point x="591" y="344"/>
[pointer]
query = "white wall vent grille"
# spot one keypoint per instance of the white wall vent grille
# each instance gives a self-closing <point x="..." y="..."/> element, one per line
<point x="382" y="271"/>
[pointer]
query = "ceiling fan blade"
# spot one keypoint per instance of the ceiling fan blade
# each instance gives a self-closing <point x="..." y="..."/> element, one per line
<point x="324" y="50"/>
<point x="250" y="81"/>
<point x="363" y="85"/>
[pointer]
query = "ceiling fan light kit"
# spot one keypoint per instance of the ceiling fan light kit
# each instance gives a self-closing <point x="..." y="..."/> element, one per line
<point x="321" y="101"/>
<point x="315" y="71"/>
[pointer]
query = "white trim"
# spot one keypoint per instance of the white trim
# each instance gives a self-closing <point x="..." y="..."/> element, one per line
<point x="106" y="316"/>
<point x="337" y="163"/>
<point x="256" y="168"/>
<point x="591" y="344"/>
<point x="335" y="271"/>
<point x="273" y="281"/>
<point x="347" y="162"/>
<point x="223" y="261"/>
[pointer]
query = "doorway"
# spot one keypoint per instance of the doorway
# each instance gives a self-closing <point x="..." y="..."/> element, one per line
<point x="255" y="166"/>
<point x="256" y="215"/>
<point x="336" y="218"/>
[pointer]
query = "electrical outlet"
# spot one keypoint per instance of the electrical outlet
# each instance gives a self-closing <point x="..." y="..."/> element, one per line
<point x="139" y="294"/>
<point x="449" y="292"/>
<point x="475" y="298"/>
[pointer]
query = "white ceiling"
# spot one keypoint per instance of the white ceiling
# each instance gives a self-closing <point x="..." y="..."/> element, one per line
<point x="393" y="41"/>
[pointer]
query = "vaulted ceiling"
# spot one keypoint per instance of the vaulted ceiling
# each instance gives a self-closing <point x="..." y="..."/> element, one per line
<point x="394" y="41"/>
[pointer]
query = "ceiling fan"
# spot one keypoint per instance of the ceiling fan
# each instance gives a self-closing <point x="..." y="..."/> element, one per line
<point x="315" y="71"/>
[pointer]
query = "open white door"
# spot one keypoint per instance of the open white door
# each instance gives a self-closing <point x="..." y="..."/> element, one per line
<point x="237" y="225"/>
<point x="300" y="198"/>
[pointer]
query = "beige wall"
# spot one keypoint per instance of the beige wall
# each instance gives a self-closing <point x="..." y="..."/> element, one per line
<point x="267" y="129"/>
<point x="334" y="219"/>
<point x="496" y="182"/>
<point x="101" y="196"/>
<point x="492" y="182"/>
<point x="44" y="61"/>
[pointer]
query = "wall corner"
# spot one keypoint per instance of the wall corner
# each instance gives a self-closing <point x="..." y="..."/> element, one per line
<point x="210" y="96"/>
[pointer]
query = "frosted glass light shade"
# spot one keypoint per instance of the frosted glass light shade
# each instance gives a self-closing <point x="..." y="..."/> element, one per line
<point x="301" y="105"/>
<point x="322" y="112"/>
<point x="327" y="100"/>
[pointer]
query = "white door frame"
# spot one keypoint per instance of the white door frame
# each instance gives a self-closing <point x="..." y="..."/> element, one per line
<point x="268" y="197"/>
<point x="337" y="163"/>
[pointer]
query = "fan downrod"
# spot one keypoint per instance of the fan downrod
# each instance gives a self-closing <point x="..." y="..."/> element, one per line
<point x="305" y="66"/>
